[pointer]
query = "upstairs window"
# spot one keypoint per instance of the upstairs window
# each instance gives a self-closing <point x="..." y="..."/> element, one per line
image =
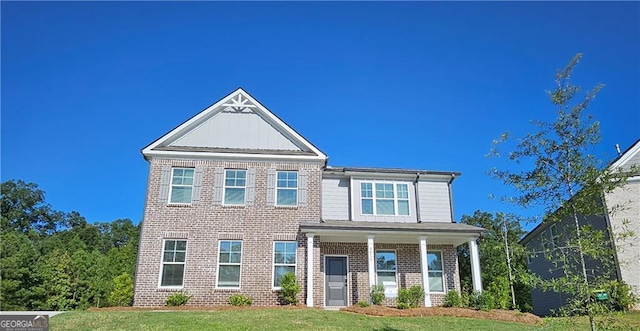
<point x="384" y="198"/>
<point x="287" y="188"/>
<point x="235" y="182"/>
<point x="181" y="185"/>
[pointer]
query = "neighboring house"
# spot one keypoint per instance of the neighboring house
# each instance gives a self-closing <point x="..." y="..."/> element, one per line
<point x="236" y="198"/>
<point x="627" y="250"/>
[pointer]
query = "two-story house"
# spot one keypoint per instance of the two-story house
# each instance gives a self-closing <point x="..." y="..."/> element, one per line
<point x="623" y="215"/>
<point x="236" y="198"/>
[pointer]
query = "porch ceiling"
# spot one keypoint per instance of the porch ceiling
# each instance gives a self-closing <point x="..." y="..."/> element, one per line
<point x="402" y="233"/>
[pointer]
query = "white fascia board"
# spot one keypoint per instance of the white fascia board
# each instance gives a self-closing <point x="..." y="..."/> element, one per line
<point x="403" y="176"/>
<point x="626" y="156"/>
<point x="232" y="156"/>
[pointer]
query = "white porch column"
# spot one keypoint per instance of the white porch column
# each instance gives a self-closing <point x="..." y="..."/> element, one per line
<point x="371" y="255"/>
<point x="310" y="269"/>
<point x="424" y="264"/>
<point x="475" y="265"/>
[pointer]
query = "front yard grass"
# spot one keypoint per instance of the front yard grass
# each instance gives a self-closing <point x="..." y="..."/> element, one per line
<point x="266" y="319"/>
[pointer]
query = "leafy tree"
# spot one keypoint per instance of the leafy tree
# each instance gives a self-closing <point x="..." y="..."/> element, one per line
<point x="502" y="259"/>
<point x="563" y="176"/>
<point x="122" y="294"/>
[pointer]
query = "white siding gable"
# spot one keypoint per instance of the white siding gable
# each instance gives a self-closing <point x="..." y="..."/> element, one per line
<point x="245" y="130"/>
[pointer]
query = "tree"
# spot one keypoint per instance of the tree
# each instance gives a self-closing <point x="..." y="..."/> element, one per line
<point x="502" y="259"/>
<point x="563" y="176"/>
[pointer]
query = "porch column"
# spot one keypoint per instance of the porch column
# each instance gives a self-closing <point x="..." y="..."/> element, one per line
<point x="424" y="264"/>
<point x="476" y="277"/>
<point x="371" y="254"/>
<point x="310" y="269"/>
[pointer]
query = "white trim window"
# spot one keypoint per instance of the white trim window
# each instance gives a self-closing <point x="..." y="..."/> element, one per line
<point x="235" y="183"/>
<point x="553" y="231"/>
<point x="287" y="188"/>
<point x="181" y="185"/>
<point x="284" y="260"/>
<point x="384" y="198"/>
<point x="173" y="263"/>
<point x="386" y="268"/>
<point x="436" y="271"/>
<point x="229" y="264"/>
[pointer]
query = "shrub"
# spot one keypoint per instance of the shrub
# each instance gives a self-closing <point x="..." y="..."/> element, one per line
<point x="402" y="305"/>
<point x="483" y="301"/>
<point x="621" y="295"/>
<point x="363" y="304"/>
<point x="290" y="288"/>
<point x="177" y="299"/>
<point x="452" y="299"/>
<point x="240" y="300"/>
<point x="377" y="294"/>
<point x="122" y="294"/>
<point x="410" y="297"/>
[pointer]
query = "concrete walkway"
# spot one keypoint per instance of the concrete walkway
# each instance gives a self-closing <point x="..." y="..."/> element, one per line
<point x="41" y="312"/>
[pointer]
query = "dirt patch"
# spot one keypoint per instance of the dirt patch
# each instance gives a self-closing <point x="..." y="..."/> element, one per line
<point x="496" y="315"/>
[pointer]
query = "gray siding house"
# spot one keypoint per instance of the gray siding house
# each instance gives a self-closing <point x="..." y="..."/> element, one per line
<point x="627" y="250"/>
<point x="236" y="198"/>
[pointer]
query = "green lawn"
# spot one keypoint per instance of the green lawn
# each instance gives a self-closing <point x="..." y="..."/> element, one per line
<point x="283" y="319"/>
<point x="265" y="319"/>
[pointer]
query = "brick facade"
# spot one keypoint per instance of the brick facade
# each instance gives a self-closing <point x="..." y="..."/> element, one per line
<point x="203" y="224"/>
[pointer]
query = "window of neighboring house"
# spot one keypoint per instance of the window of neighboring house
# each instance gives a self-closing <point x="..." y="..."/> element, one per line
<point x="229" y="262"/>
<point x="181" y="185"/>
<point x="287" y="188"/>
<point x="554" y="235"/>
<point x="386" y="268"/>
<point x="436" y="271"/>
<point x="173" y="263"/>
<point x="384" y="198"/>
<point x="284" y="260"/>
<point x="235" y="182"/>
<point x="546" y="241"/>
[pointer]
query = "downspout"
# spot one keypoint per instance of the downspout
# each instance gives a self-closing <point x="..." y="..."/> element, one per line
<point x="415" y="188"/>
<point x="451" y="197"/>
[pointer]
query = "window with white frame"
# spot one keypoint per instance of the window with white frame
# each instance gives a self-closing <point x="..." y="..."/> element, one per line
<point x="181" y="185"/>
<point x="381" y="198"/>
<point x="554" y="235"/>
<point x="173" y="263"/>
<point x="386" y="268"/>
<point x="235" y="182"/>
<point x="284" y="260"/>
<point x="287" y="188"/>
<point x="229" y="263"/>
<point x="436" y="271"/>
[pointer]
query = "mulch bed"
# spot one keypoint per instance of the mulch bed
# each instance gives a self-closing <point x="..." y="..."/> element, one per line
<point x="495" y="315"/>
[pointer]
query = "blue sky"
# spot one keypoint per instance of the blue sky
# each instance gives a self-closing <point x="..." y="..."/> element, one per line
<point x="423" y="85"/>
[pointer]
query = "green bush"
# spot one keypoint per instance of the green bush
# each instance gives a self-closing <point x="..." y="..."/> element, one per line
<point x="363" y="304"/>
<point x="377" y="294"/>
<point x="122" y="294"/>
<point x="177" y="299"/>
<point x="240" y="300"/>
<point x="452" y="299"/>
<point x="290" y="288"/>
<point x="621" y="295"/>
<point x="483" y="301"/>
<point x="402" y="305"/>
<point x="410" y="297"/>
<point x="499" y="289"/>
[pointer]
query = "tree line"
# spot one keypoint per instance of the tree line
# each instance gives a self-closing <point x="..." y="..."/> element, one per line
<point x="54" y="260"/>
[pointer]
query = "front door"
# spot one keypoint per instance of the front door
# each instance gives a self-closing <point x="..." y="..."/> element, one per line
<point x="336" y="281"/>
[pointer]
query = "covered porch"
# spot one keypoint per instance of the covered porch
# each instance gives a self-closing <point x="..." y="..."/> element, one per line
<point x="347" y="258"/>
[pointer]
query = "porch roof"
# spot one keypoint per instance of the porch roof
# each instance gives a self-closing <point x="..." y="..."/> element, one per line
<point x="357" y="231"/>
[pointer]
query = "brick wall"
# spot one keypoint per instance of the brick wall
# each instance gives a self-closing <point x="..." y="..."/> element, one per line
<point x="408" y="269"/>
<point x="203" y="224"/>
